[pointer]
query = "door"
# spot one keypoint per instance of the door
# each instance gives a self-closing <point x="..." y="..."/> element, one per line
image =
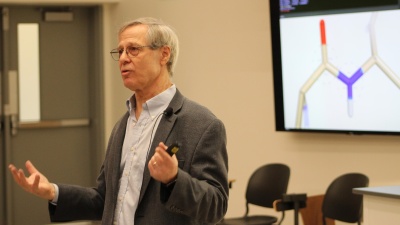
<point x="64" y="137"/>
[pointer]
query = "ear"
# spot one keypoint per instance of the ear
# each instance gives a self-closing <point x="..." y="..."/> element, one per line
<point x="165" y="54"/>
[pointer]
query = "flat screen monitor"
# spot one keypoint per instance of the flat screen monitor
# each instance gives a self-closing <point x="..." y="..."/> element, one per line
<point x="336" y="65"/>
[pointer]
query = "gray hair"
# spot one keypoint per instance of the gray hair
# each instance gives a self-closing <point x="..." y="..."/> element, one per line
<point x="159" y="34"/>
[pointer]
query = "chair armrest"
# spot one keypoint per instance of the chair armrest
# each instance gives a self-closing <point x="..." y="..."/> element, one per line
<point x="290" y="201"/>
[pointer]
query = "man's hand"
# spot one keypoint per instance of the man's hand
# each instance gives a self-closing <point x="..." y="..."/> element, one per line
<point x="36" y="183"/>
<point x="162" y="166"/>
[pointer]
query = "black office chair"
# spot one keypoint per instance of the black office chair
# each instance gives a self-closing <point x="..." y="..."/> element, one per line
<point x="265" y="185"/>
<point x="339" y="201"/>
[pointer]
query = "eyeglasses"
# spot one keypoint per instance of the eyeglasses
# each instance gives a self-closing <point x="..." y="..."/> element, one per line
<point x="131" y="51"/>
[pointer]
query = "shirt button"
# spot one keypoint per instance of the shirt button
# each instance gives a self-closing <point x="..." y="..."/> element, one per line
<point x="132" y="149"/>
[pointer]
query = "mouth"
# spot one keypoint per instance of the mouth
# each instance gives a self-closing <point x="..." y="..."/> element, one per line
<point x="125" y="72"/>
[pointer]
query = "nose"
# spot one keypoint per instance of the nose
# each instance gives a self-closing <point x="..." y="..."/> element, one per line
<point x="124" y="56"/>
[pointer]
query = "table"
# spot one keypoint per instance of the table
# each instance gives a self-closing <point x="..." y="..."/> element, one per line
<point x="381" y="204"/>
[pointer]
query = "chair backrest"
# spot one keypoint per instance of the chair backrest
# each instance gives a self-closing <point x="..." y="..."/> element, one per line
<point x="267" y="184"/>
<point x="340" y="203"/>
<point x="312" y="214"/>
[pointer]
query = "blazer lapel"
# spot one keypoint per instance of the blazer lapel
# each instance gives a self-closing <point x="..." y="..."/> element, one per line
<point x="163" y="131"/>
<point x="116" y="154"/>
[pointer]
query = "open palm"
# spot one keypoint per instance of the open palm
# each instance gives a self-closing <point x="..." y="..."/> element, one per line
<point x="36" y="183"/>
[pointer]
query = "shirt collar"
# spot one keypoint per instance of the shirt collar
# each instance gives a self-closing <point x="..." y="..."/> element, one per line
<point x="155" y="105"/>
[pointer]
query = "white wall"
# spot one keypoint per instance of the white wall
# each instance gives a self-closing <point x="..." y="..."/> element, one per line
<point x="225" y="64"/>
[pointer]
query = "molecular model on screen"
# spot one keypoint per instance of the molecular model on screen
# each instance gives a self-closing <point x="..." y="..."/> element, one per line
<point x="325" y="65"/>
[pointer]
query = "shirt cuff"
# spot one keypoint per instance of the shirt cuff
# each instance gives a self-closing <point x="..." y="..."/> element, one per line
<point x="55" y="200"/>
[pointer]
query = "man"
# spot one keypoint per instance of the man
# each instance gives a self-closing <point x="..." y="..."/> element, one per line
<point x="139" y="182"/>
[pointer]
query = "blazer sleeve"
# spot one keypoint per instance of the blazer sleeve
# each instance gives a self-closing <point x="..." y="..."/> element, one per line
<point x="77" y="203"/>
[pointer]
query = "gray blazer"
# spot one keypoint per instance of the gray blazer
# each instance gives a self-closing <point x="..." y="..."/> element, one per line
<point x="200" y="194"/>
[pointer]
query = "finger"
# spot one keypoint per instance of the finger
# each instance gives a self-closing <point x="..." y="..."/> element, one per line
<point x="35" y="184"/>
<point x="14" y="173"/>
<point x="22" y="179"/>
<point x="12" y="169"/>
<point x="162" y="152"/>
<point x="152" y="162"/>
<point x="30" y="167"/>
<point x="162" y="145"/>
<point x="151" y="167"/>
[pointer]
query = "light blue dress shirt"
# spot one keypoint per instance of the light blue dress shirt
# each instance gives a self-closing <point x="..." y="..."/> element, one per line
<point x="138" y="137"/>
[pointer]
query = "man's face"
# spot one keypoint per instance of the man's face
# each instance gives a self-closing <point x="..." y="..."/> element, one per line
<point x="139" y="73"/>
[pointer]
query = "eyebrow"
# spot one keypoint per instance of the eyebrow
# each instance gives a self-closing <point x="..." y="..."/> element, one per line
<point x="130" y="45"/>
